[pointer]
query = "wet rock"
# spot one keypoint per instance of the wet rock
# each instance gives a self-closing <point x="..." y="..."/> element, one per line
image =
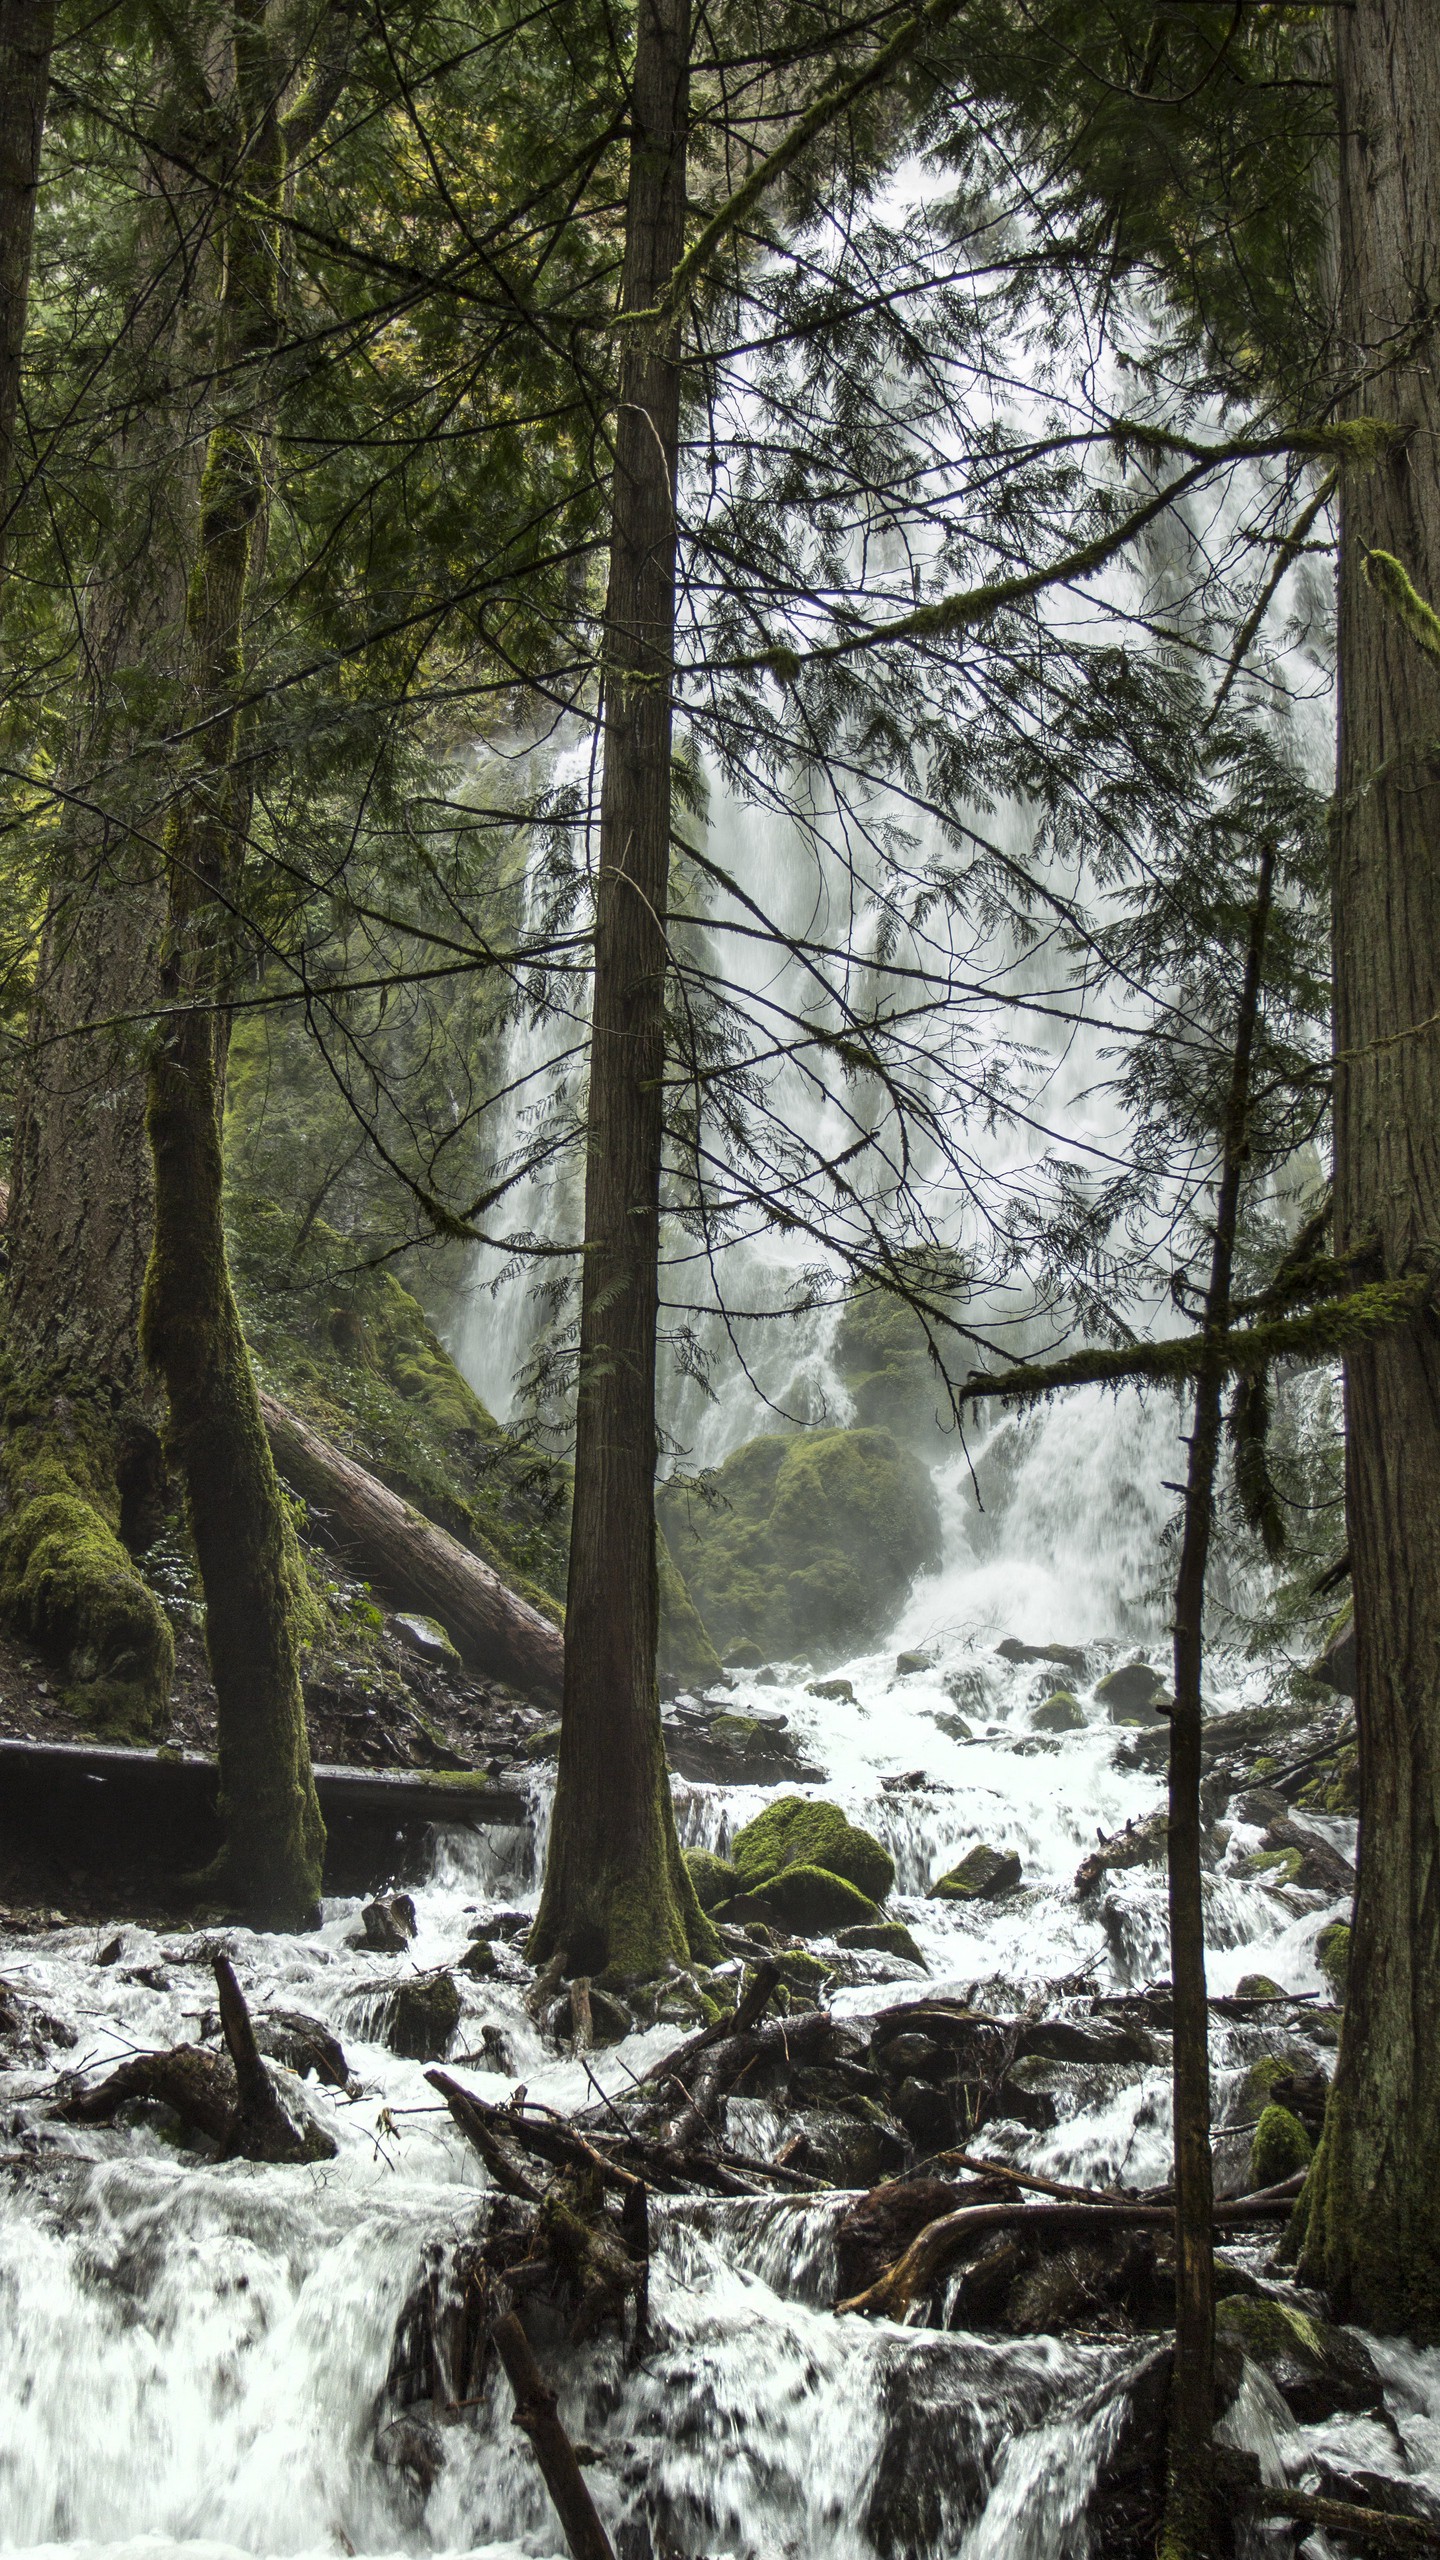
<point x="1336" y="1662"/>
<point x="1257" y="1986"/>
<point x="387" y="1924"/>
<point x="1291" y="1854"/>
<point x="1332" y="1954"/>
<point x="1059" y="1713"/>
<point x="1130" y="1692"/>
<point x="795" y="1831"/>
<point x="507" y="1925"/>
<point x="714" y="1879"/>
<point x="1279" y="2146"/>
<point x="908" y="1665"/>
<point x="880" y="2226"/>
<point x="720" y="1747"/>
<point x="1125" y="2508"/>
<point x="419" y="2018"/>
<point x="426" y="1639"/>
<point x="886" y="1937"/>
<point x="935" y="2467"/>
<point x="811" y="1899"/>
<point x="1066" y="1657"/>
<point x="410" y="2449"/>
<point x="1318" y="2370"/>
<point x="304" y="2046"/>
<point x="982" y="1875"/>
<point x="953" y="1726"/>
<point x="1112" y="2040"/>
<point x="480" y="1961"/>
<point x="744" y="1655"/>
<point x="839" y="1692"/>
<point x="851" y="2146"/>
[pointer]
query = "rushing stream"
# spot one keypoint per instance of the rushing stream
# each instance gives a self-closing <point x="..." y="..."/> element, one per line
<point x="194" y="2356"/>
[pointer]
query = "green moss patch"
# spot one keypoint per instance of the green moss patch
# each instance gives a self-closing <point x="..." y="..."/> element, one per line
<point x="804" y="1545"/>
<point x="808" y="1899"/>
<point x="714" y="1879"/>
<point x="983" y="1875"/>
<point x="795" y="1832"/>
<point x="1280" y="2147"/>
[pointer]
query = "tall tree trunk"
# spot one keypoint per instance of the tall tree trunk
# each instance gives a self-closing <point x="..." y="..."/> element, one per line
<point x="1189" y="2526"/>
<point x="190" y="1328"/>
<point x="27" y="33"/>
<point x="80" y="1460"/>
<point x="1371" y="2212"/>
<point x="617" y="1898"/>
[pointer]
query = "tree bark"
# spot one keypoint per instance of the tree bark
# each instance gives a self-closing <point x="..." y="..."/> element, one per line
<point x="416" y="1565"/>
<point x="81" y="1465"/>
<point x="191" y="1334"/>
<point x="27" y="33"/>
<point x="1371" y="2212"/>
<point x="1188" y="2529"/>
<point x="617" y="1899"/>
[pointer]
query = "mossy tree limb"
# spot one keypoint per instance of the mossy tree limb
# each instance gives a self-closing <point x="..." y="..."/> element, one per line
<point x="255" y="1596"/>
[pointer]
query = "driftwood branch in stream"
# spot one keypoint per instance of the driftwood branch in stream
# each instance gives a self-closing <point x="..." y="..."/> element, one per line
<point x="1358" y="2524"/>
<point x="229" y="2098"/>
<point x="913" y="2273"/>
<point x="535" y="2413"/>
<point x="261" y="2128"/>
<point x="415" y="1564"/>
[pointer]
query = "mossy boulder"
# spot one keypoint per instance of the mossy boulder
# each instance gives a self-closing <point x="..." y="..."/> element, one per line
<point x="714" y="1879"/>
<point x="1332" y="1954"/>
<point x="810" y="1899"/>
<point x="1318" y="2370"/>
<point x="1129" y="1693"/>
<point x="796" y="1831"/>
<point x="804" y="1544"/>
<point x="1280" y="2146"/>
<point x="982" y="1875"/>
<point x="1257" y="1986"/>
<point x="883" y="1349"/>
<point x="1059" y="1713"/>
<point x="885" y="1938"/>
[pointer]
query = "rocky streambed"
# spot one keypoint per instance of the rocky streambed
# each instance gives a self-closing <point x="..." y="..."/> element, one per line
<point x="948" y="2113"/>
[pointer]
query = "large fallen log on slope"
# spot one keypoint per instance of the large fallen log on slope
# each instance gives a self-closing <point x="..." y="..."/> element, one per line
<point x="414" y="1564"/>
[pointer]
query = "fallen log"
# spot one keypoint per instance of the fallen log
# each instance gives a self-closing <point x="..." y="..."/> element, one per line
<point x="1362" y="2524"/>
<point x="913" y="2273"/>
<point x="535" y="2414"/>
<point x="228" y="2097"/>
<point x="414" y="1564"/>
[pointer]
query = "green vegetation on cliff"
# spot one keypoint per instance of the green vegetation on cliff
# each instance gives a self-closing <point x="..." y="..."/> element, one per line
<point x="804" y="1545"/>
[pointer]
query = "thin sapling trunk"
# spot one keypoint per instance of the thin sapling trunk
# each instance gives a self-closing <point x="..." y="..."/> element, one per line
<point x="1188" y="2527"/>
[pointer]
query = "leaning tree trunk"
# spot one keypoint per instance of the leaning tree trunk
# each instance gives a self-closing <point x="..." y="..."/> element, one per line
<point x="1372" y="2206"/>
<point x="27" y="32"/>
<point x="190" y="1326"/>
<point x="617" y="1898"/>
<point x="1189" y="2525"/>
<point x="80" y="1462"/>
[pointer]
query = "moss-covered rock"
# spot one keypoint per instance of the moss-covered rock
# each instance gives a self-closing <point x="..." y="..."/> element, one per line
<point x="804" y="1545"/>
<point x="1129" y="1693"/>
<point x="795" y="1831"/>
<point x="714" y="1879"/>
<point x="67" y="1580"/>
<point x="1332" y="1954"/>
<point x="886" y="1938"/>
<point x="883" y="1351"/>
<point x="808" y="1899"/>
<point x="421" y="2017"/>
<point x="1257" y="1986"/>
<point x="982" y="1875"/>
<point x="1280" y="2146"/>
<point x="1318" y="2370"/>
<point x="1061" y="1712"/>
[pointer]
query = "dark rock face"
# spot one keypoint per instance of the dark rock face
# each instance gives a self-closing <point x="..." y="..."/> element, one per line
<point x="387" y="1924"/>
<point x="1319" y="2371"/>
<point x="1066" y="1657"/>
<point x="419" y="2018"/>
<point x="715" y="1744"/>
<point x="303" y="2045"/>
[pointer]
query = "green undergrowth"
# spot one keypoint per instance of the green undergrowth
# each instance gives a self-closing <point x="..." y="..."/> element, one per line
<point x="804" y="1545"/>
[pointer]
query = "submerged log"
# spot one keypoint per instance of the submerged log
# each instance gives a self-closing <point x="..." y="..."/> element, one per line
<point x="535" y="2413"/>
<point x="415" y="1564"/>
<point x="229" y="2098"/>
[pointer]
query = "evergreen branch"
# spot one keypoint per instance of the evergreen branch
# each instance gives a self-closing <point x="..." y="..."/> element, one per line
<point x="823" y="111"/>
<point x="1392" y="583"/>
<point x="1323" y="1333"/>
<point x="949" y="614"/>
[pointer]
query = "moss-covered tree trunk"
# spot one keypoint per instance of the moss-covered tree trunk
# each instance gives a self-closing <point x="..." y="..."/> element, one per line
<point x="27" y="33"/>
<point x="1372" y="2206"/>
<point x="80" y="1457"/>
<point x="1190" y="2524"/>
<point x="617" y="1897"/>
<point x="191" y="1333"/>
